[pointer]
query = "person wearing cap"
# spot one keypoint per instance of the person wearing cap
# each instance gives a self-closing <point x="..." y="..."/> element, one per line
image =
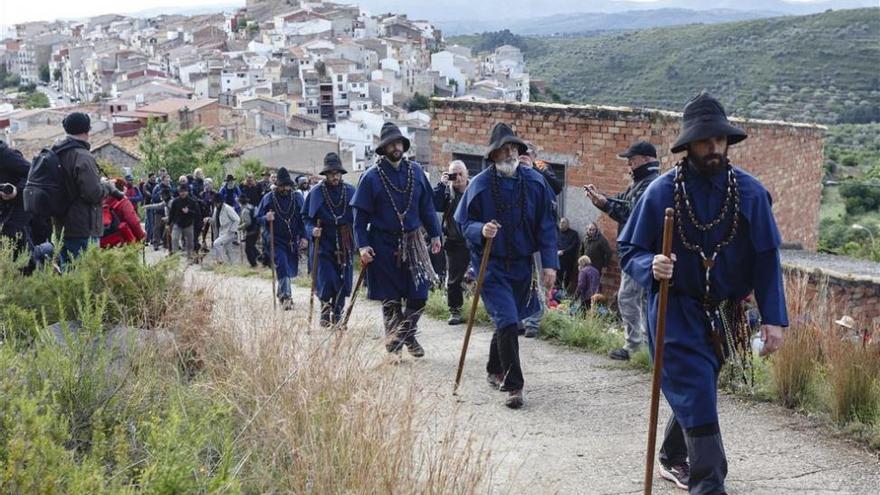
<point x="82" y="223"/>
<point x="230" y="192"/>
<point x="283" y="209"/>
<point x="393" y="214"/>
<point x="515" y="206"/>
<point x="641" y="158"/>
<point x="182" y="215"/>
<point x="328" y="203"/>
<point x="725" y="246"/>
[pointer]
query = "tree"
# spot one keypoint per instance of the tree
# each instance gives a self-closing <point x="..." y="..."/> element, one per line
<point x="44" y="73"/>
<point x="181" y="153"/>
<point x="37" y="100"/>
<point x="249" y="166"/>
<point x="56" y="75"/>
<point x="418" y="102"/>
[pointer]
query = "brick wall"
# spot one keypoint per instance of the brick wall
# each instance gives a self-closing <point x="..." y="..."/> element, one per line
<point x="786" y="157"/>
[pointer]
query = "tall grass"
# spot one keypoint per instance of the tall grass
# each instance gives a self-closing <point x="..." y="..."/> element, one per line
<point x="205" y="396"/>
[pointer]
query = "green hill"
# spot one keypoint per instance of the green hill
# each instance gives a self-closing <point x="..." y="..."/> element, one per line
<point x="821" y="68"/>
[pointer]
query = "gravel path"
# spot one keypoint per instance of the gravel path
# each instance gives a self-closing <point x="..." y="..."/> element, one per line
<point x="582" y="430"/>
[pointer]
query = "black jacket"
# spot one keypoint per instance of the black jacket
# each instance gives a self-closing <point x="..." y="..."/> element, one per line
<point x="184" y="219"/>
<point x="620" y="205"/>
<point x="14" y="170"/>
<point x="83" y="182"/>
<point x="598" y="250"/>
<point x="446" y="200"/>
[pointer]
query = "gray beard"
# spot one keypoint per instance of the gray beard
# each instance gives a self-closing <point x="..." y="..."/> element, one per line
<point x="507" y="168"/>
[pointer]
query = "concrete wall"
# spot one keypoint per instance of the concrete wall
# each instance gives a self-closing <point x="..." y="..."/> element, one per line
<point x="786" y="157"/>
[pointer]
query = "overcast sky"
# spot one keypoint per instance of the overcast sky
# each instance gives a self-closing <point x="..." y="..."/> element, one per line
<point x="14" y="11"/>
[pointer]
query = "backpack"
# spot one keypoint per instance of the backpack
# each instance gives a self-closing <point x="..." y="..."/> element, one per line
<point x="45" y="193"/>
<point x="111" y="220"/>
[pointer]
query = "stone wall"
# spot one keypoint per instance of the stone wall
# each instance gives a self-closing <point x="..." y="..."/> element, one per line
<point x="585" y="140"/>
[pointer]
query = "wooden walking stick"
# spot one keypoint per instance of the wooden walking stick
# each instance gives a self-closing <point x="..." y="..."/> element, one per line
<point x="658" y="356"/>
<point x="467" y="334"/>
<point x="354" y="295"/>
<point x="316" y="244"/>
<point x="272" y="261"/>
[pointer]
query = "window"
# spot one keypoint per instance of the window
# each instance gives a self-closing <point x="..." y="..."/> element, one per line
<point x="339" y="78"/>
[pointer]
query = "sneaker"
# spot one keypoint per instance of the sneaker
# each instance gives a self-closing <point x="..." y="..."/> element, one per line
<point x="619" y="355"/>
<point x="415" y="348"/>
<point x="680" y="474"/>
<point x="514" y="399"/>
<point x="531" y="333"/>
<point x="495" y="380"/>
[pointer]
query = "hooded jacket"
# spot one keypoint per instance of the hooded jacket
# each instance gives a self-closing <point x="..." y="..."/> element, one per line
<point x="83" y="183"/>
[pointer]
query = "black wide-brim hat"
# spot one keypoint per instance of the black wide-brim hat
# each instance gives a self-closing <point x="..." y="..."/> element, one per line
<point x="332" y="163"/>
<point x="705" y="118"/>
<point x="502" y="134"/>
<point x="389" y="134"/>
<point x="283" y="178"/>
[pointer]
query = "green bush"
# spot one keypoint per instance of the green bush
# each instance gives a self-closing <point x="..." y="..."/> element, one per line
<point x="592" y="332"/>
<point x="135" y="295"/>
<point x="436" y="308"/>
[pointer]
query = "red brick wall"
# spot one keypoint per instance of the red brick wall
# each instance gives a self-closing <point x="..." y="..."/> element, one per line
<point x="787" y="158"/>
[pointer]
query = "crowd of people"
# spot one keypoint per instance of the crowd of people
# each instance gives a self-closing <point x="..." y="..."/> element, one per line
<point x="398" y="224"/>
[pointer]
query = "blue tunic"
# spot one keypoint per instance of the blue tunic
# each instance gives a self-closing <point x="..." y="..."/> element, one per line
<point x="373" y="209"/>
<point x="749" y="263"/>
<point x="333" y="278"/>
<point x="230" y="196"/>
<point x="507" y="287"/>
<point x="288" y="229"/>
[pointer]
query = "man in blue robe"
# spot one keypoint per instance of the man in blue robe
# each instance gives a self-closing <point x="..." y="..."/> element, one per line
<point x="284" y="209"/>
<point x="514" y="205"/>
<point x="393" y="214"/>
<point x="725" y="246"/>
<point x="328" y="203"/>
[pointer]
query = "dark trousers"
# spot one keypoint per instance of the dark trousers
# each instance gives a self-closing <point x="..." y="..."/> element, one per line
<point x="331" y="309"/>
<point x="504" y="357"/>
<point x="457" y="259"/>
<point x="250" y="248"/>
<point x="401" y="322"/>
<point x="703" y="447"/>
<point x="567" y="273"/>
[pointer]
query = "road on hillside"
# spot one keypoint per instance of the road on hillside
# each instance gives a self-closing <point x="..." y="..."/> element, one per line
<point x="583" y="428"/>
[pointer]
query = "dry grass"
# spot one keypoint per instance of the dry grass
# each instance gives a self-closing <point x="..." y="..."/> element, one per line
<point x="320" y="415"/>
<point x="852" y="374"/>
<point x="795" y="364"/>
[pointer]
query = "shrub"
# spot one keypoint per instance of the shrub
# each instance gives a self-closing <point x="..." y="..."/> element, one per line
<point x="591" y="332"/>
<point x="852" y="375"/>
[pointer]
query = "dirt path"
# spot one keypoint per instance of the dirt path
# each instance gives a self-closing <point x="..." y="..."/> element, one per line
<point x="583" y="428"/>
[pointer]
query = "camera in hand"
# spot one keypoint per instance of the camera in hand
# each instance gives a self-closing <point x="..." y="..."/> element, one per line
<point x="7" y="188"/>
<point x="452" y="176"/>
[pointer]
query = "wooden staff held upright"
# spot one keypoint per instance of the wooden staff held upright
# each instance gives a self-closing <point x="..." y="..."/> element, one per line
<point x="316" y="244"/>
<point x="668" y="223"/>
<point x="484" y="262"/>
<point x="272" y="260"/>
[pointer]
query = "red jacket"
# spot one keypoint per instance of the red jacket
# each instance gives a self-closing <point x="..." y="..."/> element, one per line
<point x="129" y="230"/>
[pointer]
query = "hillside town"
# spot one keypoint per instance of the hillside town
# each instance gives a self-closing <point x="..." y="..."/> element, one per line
<point x="283" y="82"/>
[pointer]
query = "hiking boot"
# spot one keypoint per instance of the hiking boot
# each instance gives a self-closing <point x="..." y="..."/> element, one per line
<point x="531" y="333"/>
<point x="495" y="380"/>
<point x="455" y="317"/>
<point x="514" y="399"/>
<point x="680" y="474"/>
<point x="619" y="355"/>
<point x="392" y="344"/>
<point x="414" y="348"/>
<point x="286" y="304"/>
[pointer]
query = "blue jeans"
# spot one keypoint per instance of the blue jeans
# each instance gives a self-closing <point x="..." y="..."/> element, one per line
<point x="72" y="247"/>
<point x="283" y="288"/>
